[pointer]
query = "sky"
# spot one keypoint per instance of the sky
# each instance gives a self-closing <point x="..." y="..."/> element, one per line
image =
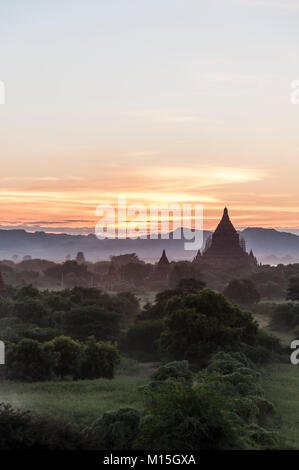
<point x="160" y="101"/>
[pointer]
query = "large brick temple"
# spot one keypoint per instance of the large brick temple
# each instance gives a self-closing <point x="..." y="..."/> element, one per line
<point x="225" y="249"/>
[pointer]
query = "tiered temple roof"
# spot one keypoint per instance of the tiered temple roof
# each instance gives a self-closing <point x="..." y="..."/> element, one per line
<point x="225" y="248"/>
<point x="163" y="261"/>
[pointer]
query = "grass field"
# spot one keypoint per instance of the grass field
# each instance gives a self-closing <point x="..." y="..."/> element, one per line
<point x="82" y="402"/>
<point x="79" y="402"/>
<point x="281" y="383"/>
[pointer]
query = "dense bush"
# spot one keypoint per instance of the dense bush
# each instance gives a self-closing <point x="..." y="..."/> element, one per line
<point x="116" y="430"/>
<point x="32" y="310"/>
<point x="19" y="430"/>
<point x="242" y="291"/>
<point x="98" y="360"/>
<point x="285" y="316"/>
<point x="197" y="325"/>
<point x="30" y="360"/>
<point x="141" y="340"/>
<point x="178" y="416"/>
<point x="68" y="352"/>
<point x="78" y="312"/>
<point x="178" y="370"/>
<point x="100" y="321"/>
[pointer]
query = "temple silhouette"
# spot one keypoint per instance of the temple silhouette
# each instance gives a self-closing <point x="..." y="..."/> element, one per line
<point x="163" y="268"/>
<point x="226" y="249"/>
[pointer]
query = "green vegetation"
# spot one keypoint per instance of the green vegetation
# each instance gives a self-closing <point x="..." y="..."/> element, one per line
<point x="29" y="360"/>
<point x="215" y="410"/>
<point x="242" y="291"/>
<point x="80" y="402"/>
<point x="214" y="401"/>
<point x="281" y="385"/>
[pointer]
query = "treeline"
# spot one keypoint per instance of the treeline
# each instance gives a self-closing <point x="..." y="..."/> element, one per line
<point x="63" y="357"/>
<point x="79" y="313"/>
<point x="129" y="273"/>
<point x="188" y="322"/>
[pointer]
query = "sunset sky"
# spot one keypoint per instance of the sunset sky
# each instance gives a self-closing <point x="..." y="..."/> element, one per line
<point x="160" y="100"/>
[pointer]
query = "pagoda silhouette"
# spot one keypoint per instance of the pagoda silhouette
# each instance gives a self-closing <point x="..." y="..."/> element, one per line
<point x="162" y="269"/>
<point x="226" y="249"/>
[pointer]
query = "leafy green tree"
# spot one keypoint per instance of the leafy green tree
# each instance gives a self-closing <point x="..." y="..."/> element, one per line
<point x="191" y="285"/>
<point x="242" y="291"/>
<point x="121" y="260"/>
<point x="181" y="270"/>
<point x="126" y="304"/>
<point x="115" y="430"/>
<point x="99" y="359"/>
<point x="87" y="296"/>
<point x="59" y="301"/>
<point x="293" y="289"/>
<point x="68" y="270"/>
<point x="271" y="289"/>
<point x="82" y="322"/>
<point x="177" y="370"/>
<point x="141" y="340"/>
<point x="178" y="416"/>
<point x="285" y="316"/>
<point x="197" y="325"/>
<point x="27" y="291"/>
<point x="30" y="360"/>
<point x="136" y="273"/>
<point x="68" y="354"/>
<point x="20" y="430"/>
<point x="6" y="307"/>
<point x="32" y="310"/>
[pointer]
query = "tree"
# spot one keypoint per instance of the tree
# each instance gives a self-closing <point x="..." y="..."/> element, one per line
<point x="136" y="273"/>
<point x="21" y="430"/>
<point x="181" y="270"/>
<point x="293" y="289"/>
<point x="178" y="370"/>
<point x="197" y="325"/>
<point x="191" y="285"/>
<point x="27" y="291"/>
<point x="115" y="430"/>
<point x="99" y="359"/>
<point x="270" y="289"/>
<point x="181" y="417"/>
<point x="68" y="354"/>
<point x="127" y="258"/>
<point x="141" y="340"/>
<point x="242" y="292"/>
<point x="126" y="304"/>
<point x="70" y="272"/>
<point x="100" y="321"/>
<point x="32" y="310"/>
<point x="30" y="360"/>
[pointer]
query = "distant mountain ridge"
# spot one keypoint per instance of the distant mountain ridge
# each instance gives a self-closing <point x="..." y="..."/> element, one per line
<point x="269" y="245"/>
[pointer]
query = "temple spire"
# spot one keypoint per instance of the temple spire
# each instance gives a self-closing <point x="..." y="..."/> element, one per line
<point x="225" y="225"/>
<point x="163" y="260"/>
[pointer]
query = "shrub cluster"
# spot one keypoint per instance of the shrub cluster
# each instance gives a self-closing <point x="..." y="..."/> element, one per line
<point x="223" y="407"/>
<point x="30" y="360"/>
